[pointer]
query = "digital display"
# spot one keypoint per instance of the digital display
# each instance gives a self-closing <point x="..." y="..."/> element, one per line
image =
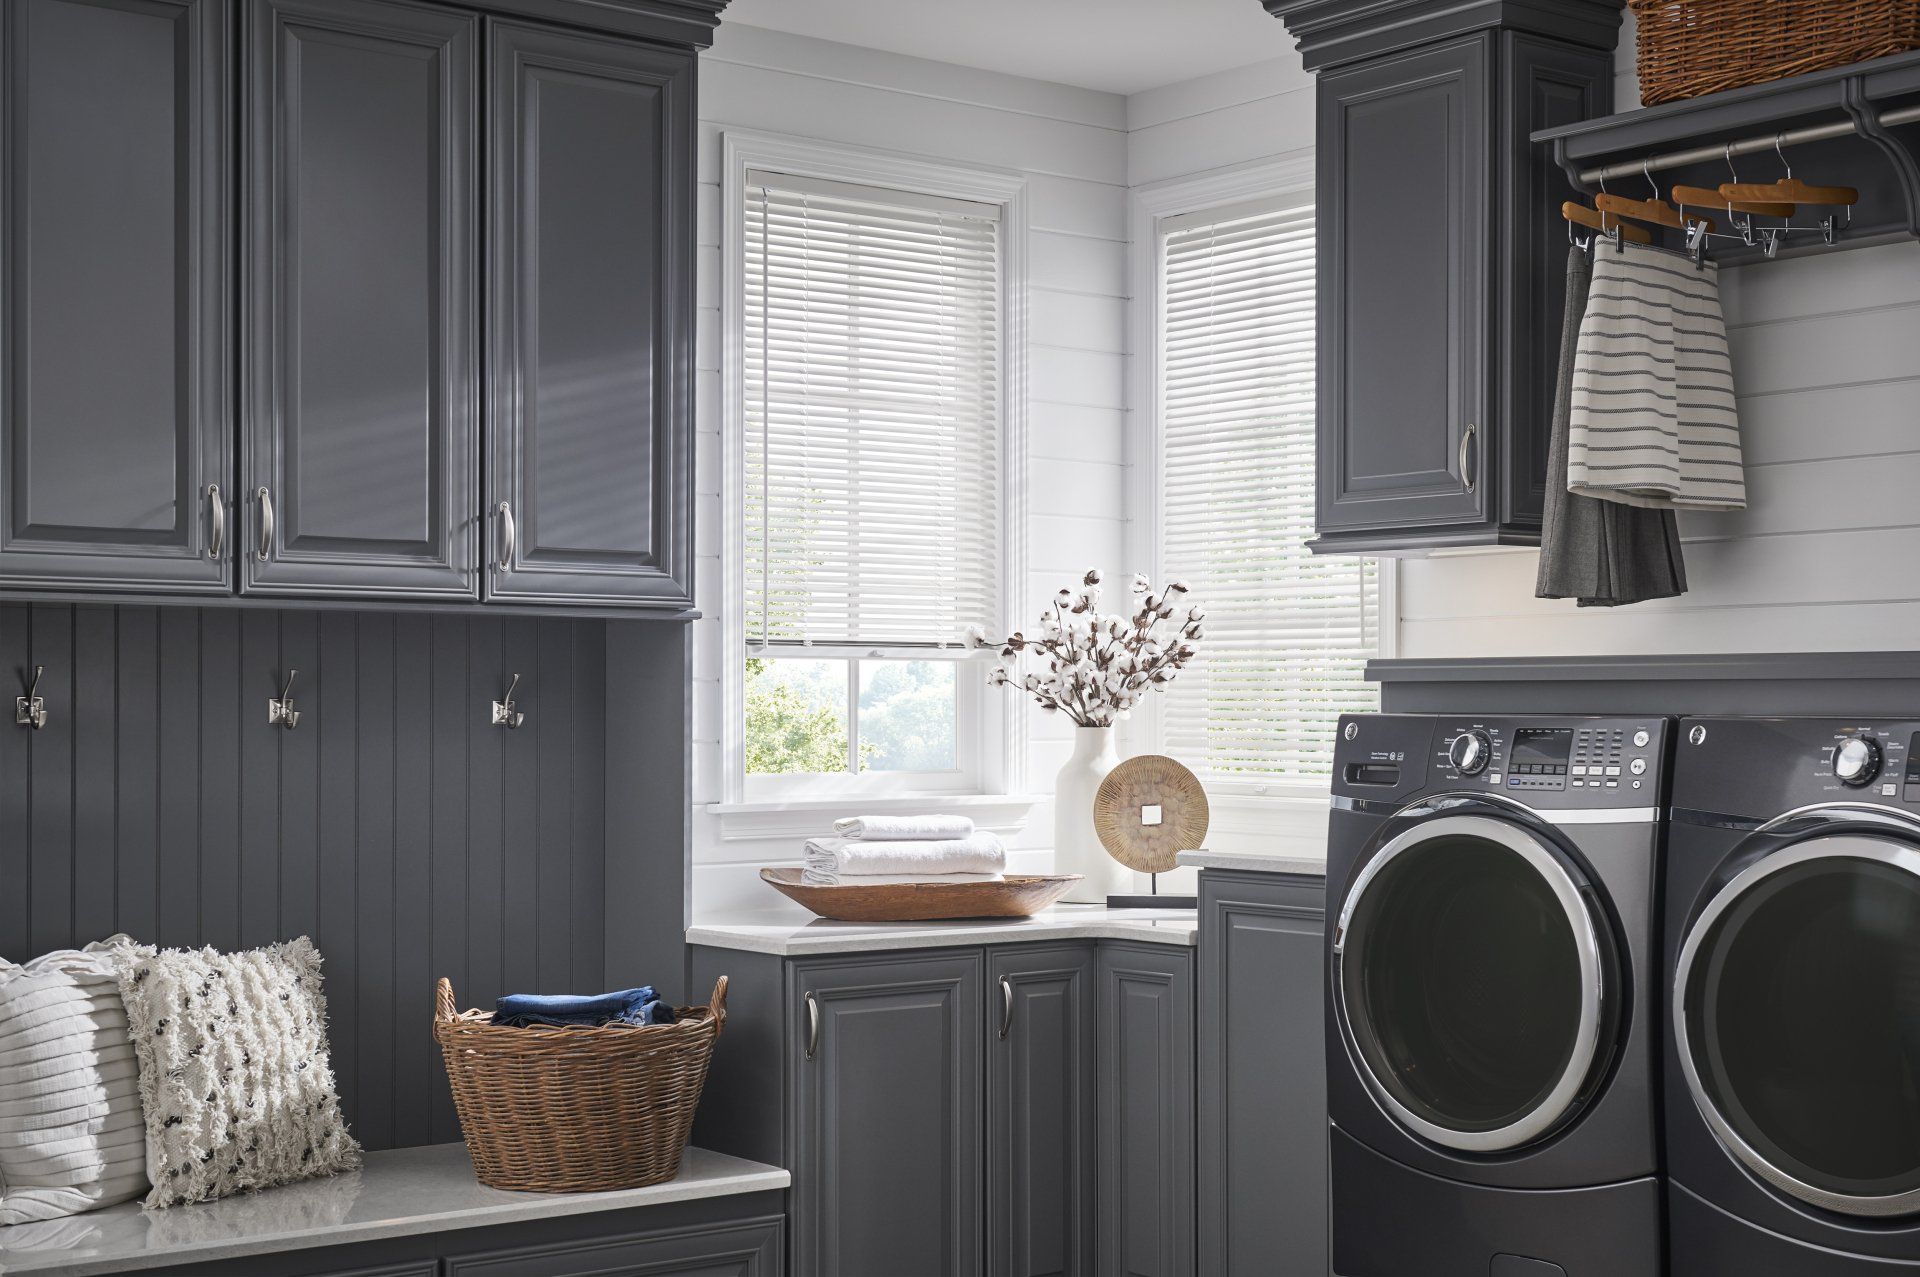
<point x="1540" y="751"/>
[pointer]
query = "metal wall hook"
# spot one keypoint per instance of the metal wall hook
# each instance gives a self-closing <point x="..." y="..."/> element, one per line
<point x="504" y="713"/>
<point x="281" y="713"/>
<point x="31" y="710"/>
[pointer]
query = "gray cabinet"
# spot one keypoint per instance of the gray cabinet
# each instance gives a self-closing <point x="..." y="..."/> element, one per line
<point x="1262" y="1076"/>
<point x="115" y="178"/>
<point x="358" y="329"/>
<point x="1040" y="1111"/>
<point x="590" y="318"/>
<point x="750" y="1249"/>
<point x="885" y="1108"/>
<point x="1145" y="1092"/>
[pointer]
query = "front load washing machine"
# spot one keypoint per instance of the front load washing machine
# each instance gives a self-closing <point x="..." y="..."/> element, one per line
<point x="1491" y="998"/>
<point x="1793" y="962"/>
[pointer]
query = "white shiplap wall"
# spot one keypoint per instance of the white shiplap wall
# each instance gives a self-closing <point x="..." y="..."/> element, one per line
<point x="1071" y="145"/>
<point x="1826" y="354"/>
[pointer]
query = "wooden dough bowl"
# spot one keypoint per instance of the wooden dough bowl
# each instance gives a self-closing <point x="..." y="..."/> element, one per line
<point x="1020" y="896"/>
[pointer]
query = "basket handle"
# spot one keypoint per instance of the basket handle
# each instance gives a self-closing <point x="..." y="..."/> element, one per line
<point x="719" y="1006"/>
<point x="443" y="1011"/>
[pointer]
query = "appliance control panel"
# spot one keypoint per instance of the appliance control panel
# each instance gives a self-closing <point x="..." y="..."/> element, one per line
<point x="1549" y="762"/>
<point x="1760" y="767"/>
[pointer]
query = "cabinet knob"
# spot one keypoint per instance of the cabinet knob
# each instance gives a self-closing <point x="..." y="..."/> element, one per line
<point x="1466" y="446"/>
<point x="265" y="549"/>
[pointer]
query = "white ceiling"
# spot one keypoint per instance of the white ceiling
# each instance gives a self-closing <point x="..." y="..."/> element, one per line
<point x="1119" y="46"/>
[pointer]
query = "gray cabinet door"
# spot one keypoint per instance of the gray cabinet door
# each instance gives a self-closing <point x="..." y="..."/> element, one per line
<point x="1404" y="436"/>
<point x="590" y="319"/>
<point x="747" y="1249"/>
<point x="885" y="1115"/>
<point x="1263" y="1085"/>
<point x="359" y="336"/>
<point x="1040" y="1117"/>
<point x="115" y="179"/>
<point x="1146" y="1110"/>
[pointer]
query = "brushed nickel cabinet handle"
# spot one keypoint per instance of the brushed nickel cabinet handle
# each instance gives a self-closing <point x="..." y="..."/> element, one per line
<point x="217" y="539"/>
<point x="813" y="1026"/>
<point x="1466" y="443"/>
<point x="509" y="542"/>
<point x="1006" y="1008"/>
<point x="265" y="498"/>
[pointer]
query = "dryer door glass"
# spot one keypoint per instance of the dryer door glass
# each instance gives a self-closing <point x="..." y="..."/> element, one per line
<point x="1798" y="1019"/>
<point x="1470" y="976"/>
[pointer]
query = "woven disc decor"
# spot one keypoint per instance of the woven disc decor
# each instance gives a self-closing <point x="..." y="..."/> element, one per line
<point x="1150" y="780"/>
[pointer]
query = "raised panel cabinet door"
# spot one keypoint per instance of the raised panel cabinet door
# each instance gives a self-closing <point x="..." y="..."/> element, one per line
<point x="359" y="333"/>
<point x="1040" y="1116"/>
<point x="885" y="1115"/>
<point x="1262" y="1077"/>
<point x="1404" y="440"/>
<point x="1145" y="1101"/>
<point x="750" y="1248"/>
<point x="116" y="417"/>
<point x="590" y="317"/>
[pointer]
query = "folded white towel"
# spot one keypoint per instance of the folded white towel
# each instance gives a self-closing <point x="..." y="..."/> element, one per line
<point x="831" y="859"/>
<point x="895" y="880"/>
<point x="903" y="828"/>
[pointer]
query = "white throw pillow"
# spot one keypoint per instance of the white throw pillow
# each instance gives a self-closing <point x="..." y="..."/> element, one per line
<point x="71" y="1137"/>
<point x="234" y="1071"/>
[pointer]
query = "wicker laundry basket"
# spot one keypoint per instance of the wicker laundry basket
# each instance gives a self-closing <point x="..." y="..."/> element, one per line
<point x="1691" y="47"/>
<point x="579" y="1110"/>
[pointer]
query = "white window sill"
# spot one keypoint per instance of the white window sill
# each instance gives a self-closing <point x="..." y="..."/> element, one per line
<point x="810" y="817"/>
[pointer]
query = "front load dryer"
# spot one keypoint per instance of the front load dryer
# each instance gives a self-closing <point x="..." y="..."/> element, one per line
<point x="1793" y="1020"/>
<point x="1491" y="999"/>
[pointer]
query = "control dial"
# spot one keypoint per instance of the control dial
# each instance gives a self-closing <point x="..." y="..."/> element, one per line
<point x="1856" y="761"/>
<point x="1470" y="752"/>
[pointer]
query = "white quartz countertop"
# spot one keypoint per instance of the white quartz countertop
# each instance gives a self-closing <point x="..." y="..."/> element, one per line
<point x="1256" y="862"/>
<point x="793" y="937"/>
<point x="399" y="1193"/>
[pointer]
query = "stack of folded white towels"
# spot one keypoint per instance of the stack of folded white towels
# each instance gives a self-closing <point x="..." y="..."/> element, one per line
<point x="884" y="849"/>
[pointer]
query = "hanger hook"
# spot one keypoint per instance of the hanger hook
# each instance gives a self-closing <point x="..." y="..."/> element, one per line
<point x="1646" y="171"/>
<point x="1780" y="150"/>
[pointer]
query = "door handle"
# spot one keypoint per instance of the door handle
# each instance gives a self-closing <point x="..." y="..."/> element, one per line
<point x="217" y="539"/>
<point x="265" y="549"/>
<point x="1466" y="443"/>
<point x="509" y="541"/>
<point x="1006" y="1008"/>
<point x="813" y="1026"/>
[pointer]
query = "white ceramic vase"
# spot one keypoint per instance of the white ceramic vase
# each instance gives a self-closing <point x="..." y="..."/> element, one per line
<point x="1076" y="847"/>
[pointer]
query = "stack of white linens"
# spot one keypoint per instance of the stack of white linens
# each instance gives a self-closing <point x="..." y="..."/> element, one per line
<point x="870" y="850"/>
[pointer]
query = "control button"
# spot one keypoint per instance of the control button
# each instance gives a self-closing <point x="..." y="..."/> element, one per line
<point x="1470" y="752"/>
<point x="1640" y="739"/>
<point x="1613" y="784"/>
<point x="1856" y="761"/>
<point x="1495" y="778"/>
<point x="1579" y="769"/>
<point x="1638" y="766"/>
<point x="1613" y="771"/>
<point x="1636" y="784"/>
<point x="1889" y="790"/>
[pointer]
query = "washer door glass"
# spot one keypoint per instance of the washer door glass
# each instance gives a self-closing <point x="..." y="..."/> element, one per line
<point x="1470" y="974"/>
<point x="1798" y="1015"/>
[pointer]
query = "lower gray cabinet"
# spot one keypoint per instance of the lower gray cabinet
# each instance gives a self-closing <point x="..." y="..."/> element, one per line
<point x="730" y="1250"/>
<point x="1040" y="1111"/>
<point x="1263" y="1085"/>
<point x="884" y="1074"/>
<point x="1146" y="1110"/>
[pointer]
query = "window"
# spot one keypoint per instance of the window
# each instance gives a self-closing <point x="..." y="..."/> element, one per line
<point x="1287" y="631"/>
<point x="871" y="345"/>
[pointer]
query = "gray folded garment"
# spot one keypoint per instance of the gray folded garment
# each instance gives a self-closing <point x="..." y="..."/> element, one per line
<point x="1602" y="553"/>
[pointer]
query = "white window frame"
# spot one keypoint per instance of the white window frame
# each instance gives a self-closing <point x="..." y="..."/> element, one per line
<point x="1253" y="815"/>
<point x="991" y="737"/>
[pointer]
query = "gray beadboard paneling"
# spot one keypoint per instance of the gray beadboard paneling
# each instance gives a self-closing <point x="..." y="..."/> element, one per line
<point x="395" y="825"/>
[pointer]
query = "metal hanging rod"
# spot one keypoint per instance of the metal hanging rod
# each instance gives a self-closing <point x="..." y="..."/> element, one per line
<point x="1745" y="146"/>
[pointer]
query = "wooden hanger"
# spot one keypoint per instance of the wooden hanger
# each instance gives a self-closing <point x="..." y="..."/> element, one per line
<point x="1656" y="211"/>
<point x="1788" y="189"/>
<point x="1708" y="197"/>
<point x="1574" y="211"/>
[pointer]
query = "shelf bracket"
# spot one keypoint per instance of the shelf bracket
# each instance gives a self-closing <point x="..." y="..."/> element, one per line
<point x="1567" y="166"/>
<point x="1866" y="119"/>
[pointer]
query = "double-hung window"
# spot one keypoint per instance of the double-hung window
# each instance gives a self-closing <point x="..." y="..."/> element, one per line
<point x="872" y="418"/>
<point x="1287" y="631"/>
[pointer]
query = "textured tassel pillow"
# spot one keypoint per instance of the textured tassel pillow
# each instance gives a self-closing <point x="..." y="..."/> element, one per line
<point x="234" y="1071"/>
<point x="71" y="1138"/>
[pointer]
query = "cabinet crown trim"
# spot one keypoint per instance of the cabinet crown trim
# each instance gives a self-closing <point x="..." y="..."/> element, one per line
<point x="1333" y="32"/>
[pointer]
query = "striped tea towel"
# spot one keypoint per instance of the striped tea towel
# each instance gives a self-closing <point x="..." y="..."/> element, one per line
<point x="1654" y="422"/>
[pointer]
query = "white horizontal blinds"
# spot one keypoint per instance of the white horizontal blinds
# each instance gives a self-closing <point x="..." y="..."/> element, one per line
<point x="873" y="391"/>
<point x="1286" y="631"/>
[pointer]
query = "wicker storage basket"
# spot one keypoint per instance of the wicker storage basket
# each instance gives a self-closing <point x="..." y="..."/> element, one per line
<point x="576" y="1110"/>
<point x="1691" y="47"/>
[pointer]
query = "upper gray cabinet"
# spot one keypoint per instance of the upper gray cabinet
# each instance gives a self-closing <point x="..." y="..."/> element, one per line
<point x="359" y="333"/>
<point x="116" y="420"/>
<point x="1441" y="269"/>
<point x="589" y="319"/>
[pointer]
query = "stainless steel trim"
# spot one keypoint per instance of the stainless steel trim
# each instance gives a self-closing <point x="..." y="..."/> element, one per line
<point x="1466" y="441"/>
<point x="1560" y="816"/>
<point x="1566" y="1090"/>
<point x="1833" y="847"/>
<point x="509" y="537"/>
<point x="813" y="1025"/>
<point x="265" y="549"/>
<point x="1006" y="1007"/>
<point x="217" y="538"/>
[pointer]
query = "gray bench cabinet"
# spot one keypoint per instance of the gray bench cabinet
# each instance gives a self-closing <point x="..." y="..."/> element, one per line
<point x="1146" y="1102"/>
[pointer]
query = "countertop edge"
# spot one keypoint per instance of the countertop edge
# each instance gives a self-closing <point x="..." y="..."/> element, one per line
<point x="1255" y="862"/>
<point x="768" y="938"/>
